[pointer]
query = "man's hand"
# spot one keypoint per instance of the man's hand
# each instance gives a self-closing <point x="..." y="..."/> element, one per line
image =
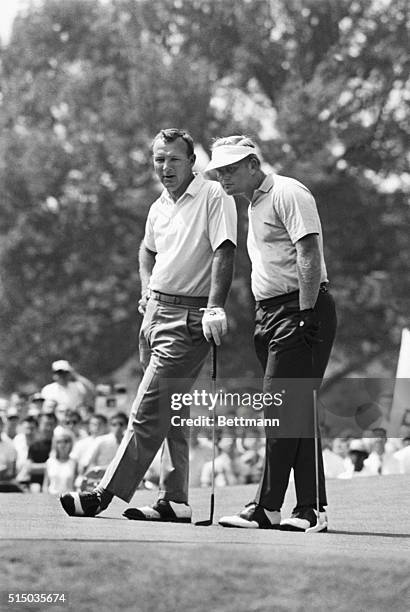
<point x="214" y="324"/>
<point x="142" y="304"/>
<point x="309" y="326"/>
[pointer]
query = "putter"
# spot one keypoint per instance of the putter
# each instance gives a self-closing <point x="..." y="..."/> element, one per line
<point x="209" y="521"/>
<point x="316" y="527"/>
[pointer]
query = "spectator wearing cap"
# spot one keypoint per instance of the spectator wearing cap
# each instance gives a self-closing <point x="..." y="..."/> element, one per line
<point x="69" y="388"/>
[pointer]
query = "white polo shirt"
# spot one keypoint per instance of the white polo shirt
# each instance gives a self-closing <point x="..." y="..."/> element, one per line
<point x="184" y="235"/>
<point x="282" y="212"/>
<point x="71" y="395"/>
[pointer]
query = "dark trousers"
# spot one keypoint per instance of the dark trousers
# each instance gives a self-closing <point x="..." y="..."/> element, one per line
<point x="285" y="352"/>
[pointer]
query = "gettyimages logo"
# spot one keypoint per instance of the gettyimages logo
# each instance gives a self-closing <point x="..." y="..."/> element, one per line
<point x="346" y="407"/>
<point x="226" y="399"/>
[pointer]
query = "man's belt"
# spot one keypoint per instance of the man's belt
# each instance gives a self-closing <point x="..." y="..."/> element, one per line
<point x="179" y="300"/>
<point x="287" y="297"/>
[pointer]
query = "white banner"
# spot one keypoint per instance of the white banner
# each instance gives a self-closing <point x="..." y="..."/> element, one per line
<point x="400" y="411"/>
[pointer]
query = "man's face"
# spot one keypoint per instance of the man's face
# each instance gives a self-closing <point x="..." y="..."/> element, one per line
<point x="47" y="425"/>
<point x="340" y="446"/>
<point x="62" y="377"/>
<point x="235" y="178"/>
<point x="172" y="165"/>
<point x="379" y="445"/>
<point x="72" y="422"/>
<point x="61" y="412"/>
<point x="118" y="428"/>
<point x="96" y="427"/>
<point x="29" y="428"/>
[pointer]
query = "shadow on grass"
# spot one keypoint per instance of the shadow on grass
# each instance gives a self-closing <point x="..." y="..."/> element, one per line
<point x="369" y="533"/>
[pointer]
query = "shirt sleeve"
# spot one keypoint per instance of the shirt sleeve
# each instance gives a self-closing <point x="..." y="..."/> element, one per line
<point x="296" y="208"/>
<point x="149" y="237"/>
<point x="222" y="217"/>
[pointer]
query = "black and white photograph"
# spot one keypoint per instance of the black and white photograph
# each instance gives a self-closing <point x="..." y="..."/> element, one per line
<point x="204" y="305"/>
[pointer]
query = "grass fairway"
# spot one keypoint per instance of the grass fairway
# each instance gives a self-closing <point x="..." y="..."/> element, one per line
<point x="109" y="563"/>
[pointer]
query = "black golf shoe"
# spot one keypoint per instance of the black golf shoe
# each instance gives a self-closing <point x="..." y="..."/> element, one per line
<point x="85" y="504"/>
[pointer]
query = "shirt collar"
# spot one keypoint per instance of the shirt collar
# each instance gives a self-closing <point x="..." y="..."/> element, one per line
<point x="266" y="184"/>
<point x="192" y="189"/>
<point x="264" y="187"/>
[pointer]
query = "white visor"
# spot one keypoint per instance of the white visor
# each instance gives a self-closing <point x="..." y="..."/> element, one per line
<point x="225" y="155"/>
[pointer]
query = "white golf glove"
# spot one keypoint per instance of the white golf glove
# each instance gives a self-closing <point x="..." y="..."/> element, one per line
<point x="214" y="324"/>
<point x="142" y="304"/>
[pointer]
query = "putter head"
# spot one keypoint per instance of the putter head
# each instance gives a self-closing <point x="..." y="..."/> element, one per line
<point x="321" y="523"/>
<point x="206" y="523"/>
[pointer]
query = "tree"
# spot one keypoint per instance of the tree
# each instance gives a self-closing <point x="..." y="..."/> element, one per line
<point x="85" y="86"/>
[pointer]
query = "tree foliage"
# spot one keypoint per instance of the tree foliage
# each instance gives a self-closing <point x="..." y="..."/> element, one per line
<point x="85" y="85"/>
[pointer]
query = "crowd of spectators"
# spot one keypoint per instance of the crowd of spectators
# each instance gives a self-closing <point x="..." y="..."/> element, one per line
<point x="60" y="438"/>
<point x="55" y="439"/>
<point x="348" y="457"/>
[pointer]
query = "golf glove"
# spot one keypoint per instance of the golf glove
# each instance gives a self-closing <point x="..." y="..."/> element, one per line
<point x="214" y="324"/>
<point x="142" y="304"/>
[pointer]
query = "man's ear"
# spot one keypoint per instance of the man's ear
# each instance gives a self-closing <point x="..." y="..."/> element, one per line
<point x="253" y="165"/>
<point x="192" y="159"/>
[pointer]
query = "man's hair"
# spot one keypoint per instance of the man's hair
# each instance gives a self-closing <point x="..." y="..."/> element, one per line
<point x="121" y="416"/>
<point x="172" y="134"/>
<point x="239" y="140"/>
<point x="48" y="415"/>
<point x="30" y="419"/>
<point x="242" y="140"/>
<point x="100" y="417"/>
<point x="73" y="413"/>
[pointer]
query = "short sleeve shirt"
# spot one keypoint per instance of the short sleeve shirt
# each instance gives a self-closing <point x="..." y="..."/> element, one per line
<point x="282" y="212"/>
<point x="72" y="395"/>
<point x="184" y="235"/>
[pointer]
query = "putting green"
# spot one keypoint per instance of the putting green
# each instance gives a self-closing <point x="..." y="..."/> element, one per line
<point x="109" y="563"/>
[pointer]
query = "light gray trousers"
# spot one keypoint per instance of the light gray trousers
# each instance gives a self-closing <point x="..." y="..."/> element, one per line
<point x="172" y="351"/>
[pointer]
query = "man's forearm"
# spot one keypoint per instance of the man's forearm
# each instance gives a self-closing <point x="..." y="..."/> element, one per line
<point x="309" y="273"/>
<point x="221" y="275"/>
<point x="146" y="264"/>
